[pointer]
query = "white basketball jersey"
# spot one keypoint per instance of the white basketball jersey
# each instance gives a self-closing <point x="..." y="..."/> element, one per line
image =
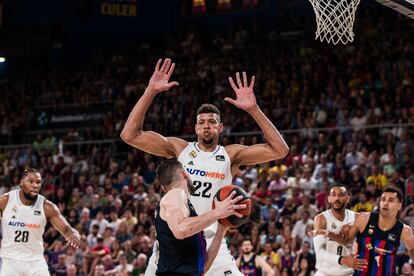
<point x="335" y="225"/>
<point x="209" y="171"/>
<point x="22" y="229"/>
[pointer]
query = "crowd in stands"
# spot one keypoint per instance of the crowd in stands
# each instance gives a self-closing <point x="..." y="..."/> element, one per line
<point x="301" y="85"/>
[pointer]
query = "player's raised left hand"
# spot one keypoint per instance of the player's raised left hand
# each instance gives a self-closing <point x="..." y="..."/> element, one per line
<point x="245" y="98"/>
<point x="160" y="79"/>
<point x="73" y="238"/>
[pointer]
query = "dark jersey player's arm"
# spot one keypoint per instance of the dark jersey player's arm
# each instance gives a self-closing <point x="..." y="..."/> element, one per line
<point x="61" y="224"/>
<point x="408" y="239"/>
<point x="349" y="236"/>
<point x="150" y="141"/>
<point x="275" y="148"/>
<point x="173" y="209"/>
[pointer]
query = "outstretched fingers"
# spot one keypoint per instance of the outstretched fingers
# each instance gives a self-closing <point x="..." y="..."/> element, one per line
<point x="252" y="82"/>
<point x="171" y="70"/>
<point x="233" y="85"/>
<point x="244" y="79"/>
<point x="237" y="214"/>
<point x="239" y="83"/>
<point x="157" y="66"/>
<point x="236" y="199"/>
<point x="165" y="65"/>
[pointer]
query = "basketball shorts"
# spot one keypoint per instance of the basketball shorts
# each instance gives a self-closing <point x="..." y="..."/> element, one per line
<point x="320" y="273"/>
<point x="224" y="264"/>
<point x="10" y="267"/>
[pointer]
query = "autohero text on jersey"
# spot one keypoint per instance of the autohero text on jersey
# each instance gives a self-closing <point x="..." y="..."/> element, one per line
<point x="206" y="173"/>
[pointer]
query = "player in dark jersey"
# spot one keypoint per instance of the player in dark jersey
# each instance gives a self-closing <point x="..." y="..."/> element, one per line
<point x="378" y="235"/>
<point x="180" y="236"/>
<point x="251" y="264"/>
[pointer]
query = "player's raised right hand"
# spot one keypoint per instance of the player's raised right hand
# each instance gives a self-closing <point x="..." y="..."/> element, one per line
<point x="159" y="81"/>
<point x="229" y="206"/>
<point x="354" y="262"/>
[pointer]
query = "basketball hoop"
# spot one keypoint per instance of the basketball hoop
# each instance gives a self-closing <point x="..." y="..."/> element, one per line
<point x="335" y="20"/>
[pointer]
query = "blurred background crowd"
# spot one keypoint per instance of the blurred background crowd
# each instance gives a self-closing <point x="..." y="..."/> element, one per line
<point x="346" y="113"/>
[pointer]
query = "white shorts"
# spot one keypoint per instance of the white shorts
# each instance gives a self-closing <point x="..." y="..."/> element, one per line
<point x="224" y="264"/>
<point x="320" y="273"/>
<point x="10" y="267"/>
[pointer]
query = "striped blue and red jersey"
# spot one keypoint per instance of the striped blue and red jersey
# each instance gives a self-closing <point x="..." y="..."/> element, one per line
<point x="179" y="257"/>
<point x="379" y="248"/>
<point x="248" y="267"/>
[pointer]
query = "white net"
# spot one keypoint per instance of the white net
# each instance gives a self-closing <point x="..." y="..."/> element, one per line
<point x="335" y="20"/>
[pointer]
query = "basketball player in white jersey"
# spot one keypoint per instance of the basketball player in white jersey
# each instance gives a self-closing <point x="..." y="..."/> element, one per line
<point x="332" y="258"/>
<point x="24" y="217"/>
<point x="210" y="165"/>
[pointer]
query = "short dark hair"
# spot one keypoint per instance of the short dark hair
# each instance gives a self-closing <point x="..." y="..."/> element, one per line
<point x="393" y="189"/>
<point x="340" y="185"/>
<point x="208" y="108"/>
<point x="28" y="171"/>
<point x="247" y="238"/>
<point x="167" y="171"/>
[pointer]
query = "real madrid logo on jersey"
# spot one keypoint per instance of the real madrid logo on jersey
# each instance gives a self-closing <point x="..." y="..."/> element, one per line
<point x="333" y="226"/>
<point x="193" y="154"/>
<point x="14" y="208"/>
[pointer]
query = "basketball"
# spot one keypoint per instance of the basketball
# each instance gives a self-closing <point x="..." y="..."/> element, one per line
<point x="234" y="221"/>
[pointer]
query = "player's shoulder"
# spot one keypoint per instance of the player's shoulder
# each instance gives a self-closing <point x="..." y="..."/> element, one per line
<point x="362" y="220"/>
<point x="173" y="196"/>
<point x="4" y="199"/>
<point x="320" y="221"/>
<point x="177" y="144"/>
<point x="407" y="234"/>
<point x="363" y="215"/>
<point x="233" y="149"/>
<point x="50" y="208"/>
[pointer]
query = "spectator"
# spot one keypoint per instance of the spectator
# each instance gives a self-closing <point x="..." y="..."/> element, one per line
<point x="140" y="265"/>
<point x="299" y="230"/>
<point x="363" y="205"/>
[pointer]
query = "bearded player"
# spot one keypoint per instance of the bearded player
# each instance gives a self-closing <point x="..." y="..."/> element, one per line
<point x="210" y="165"/>
<point x="332" y="258"/>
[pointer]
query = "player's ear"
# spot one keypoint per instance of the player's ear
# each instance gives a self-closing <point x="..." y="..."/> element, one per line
<point x="221" y="127"/>
<point x="196" y="128"/>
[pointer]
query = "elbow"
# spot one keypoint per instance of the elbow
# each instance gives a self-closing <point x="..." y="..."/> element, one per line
<point x="124" y="136"/>
<point x="179" y="234"/>
<point x="284" y="151"/>
<point x="127" y="136"/>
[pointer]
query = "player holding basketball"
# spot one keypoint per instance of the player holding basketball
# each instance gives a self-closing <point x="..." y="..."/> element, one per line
<point x="209" y="164"/>
<point x="332" y="258"/>
<point x="180" y="233"/>
<point x="378" y="235"/>
<point x="24" y="217"/>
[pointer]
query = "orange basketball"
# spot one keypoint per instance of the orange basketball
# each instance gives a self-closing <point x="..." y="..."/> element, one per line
<point x="233" y="221"/>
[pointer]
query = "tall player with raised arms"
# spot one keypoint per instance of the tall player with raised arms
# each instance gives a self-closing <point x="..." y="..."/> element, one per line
<point x="210" y="165"/>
